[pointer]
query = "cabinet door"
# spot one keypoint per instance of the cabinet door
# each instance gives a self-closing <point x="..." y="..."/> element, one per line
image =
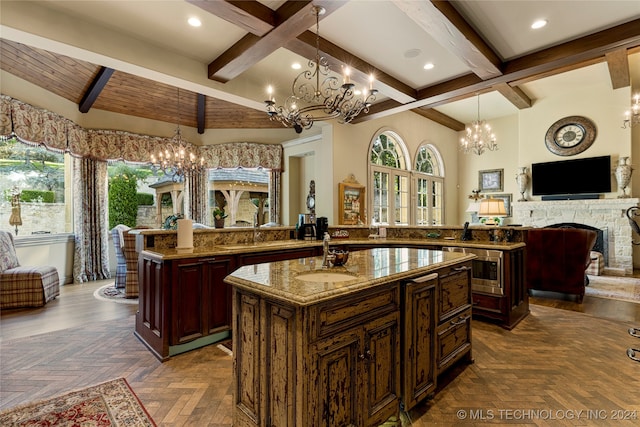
<point x="418" y="338"/>
<point x="381" y="362"/>
<point x="336" y="380"/>
<point x="189" y="283"/>
<point x="218" y="303"/>
<point x="247" y="361"/>
<point x="455" y="290"/>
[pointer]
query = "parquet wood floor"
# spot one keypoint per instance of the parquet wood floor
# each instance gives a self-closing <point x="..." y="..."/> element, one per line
<point x="561" y="359"/>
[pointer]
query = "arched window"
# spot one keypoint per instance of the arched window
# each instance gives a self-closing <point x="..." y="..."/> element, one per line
<point x="389" y="179"/>
<point x="428" y="181"/>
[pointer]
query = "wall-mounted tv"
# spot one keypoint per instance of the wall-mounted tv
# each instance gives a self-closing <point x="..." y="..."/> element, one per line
<point x="590" y="176"/>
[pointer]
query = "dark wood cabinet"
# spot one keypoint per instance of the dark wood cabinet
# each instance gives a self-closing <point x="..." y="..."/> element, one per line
<point x="512" y="306"/>
<point x="185" y="302"/>
<point x="453" y="336"/>
<point x="418" y="339"/>
<point x="201" y="300"/>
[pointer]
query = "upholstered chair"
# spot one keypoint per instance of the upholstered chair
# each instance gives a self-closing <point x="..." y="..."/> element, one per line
<point x="557" y="259"/>
<point x="117" y="233"/>
<point x="24" y="286"/>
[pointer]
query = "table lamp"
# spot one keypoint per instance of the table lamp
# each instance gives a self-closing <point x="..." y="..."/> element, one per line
<point x="492" y="209"/>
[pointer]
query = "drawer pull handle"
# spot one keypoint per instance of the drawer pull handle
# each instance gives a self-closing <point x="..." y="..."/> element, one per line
<point x="208" y="260"/>
<point x="461" y="321"/>
<point x="366" y="355"/>
<point x="461" y="268"/>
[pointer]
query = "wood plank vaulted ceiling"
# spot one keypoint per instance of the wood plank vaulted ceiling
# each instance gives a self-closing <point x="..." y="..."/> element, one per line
<point x="264" y="28"/>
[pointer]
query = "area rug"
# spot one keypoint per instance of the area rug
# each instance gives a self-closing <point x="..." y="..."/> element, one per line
<point x="108" y="404"/>
<point x="111" y="293"/>
<point x="614" y="287"/>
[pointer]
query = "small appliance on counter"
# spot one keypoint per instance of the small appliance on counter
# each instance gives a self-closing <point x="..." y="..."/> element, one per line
<point x="306" y="227"/>
<point x="322" y="226"/>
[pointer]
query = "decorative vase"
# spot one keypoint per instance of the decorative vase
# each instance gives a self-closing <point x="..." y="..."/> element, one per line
<point x="219" y="223"/>
<point x="523" y="180"/>
<point x="623" y="176"/>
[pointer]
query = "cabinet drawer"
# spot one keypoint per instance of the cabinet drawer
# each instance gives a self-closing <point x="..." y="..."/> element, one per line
<point x="453" y="339"/>
<point x="487" y="302"/>
<point x="454" y="293"/>
<point x="330" y="317"/>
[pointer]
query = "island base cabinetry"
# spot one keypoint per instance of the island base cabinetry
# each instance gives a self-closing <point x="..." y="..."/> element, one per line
<point x="325" y="365"/>
<point x="350" y="361"/>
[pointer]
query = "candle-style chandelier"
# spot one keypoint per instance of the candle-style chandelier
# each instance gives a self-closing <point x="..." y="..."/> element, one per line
<point x="174" y="161"/>
<point x="479" y="137"/>
<point x="632" y="117"/>
<point x="327" y="99"/>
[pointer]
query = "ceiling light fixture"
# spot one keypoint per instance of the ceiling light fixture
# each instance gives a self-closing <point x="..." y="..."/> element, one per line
<point x="479" y="137"/>
<point x="174" y="161"/>
<point x="428" y="66"/>
<point x="328" y="99"/>
<point x="194" y="22"/>
<point x="632" y="116"/>
<point x="539" y="24"/>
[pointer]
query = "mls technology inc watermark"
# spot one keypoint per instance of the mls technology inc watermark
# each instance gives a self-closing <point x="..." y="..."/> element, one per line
<point x="546" y="414"/>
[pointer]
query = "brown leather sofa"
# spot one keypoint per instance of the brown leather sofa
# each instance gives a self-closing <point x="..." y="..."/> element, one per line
<point x="557" y="259"/>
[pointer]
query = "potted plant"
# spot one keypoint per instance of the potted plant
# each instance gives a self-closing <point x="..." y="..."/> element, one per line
<point x="218" y="217"/>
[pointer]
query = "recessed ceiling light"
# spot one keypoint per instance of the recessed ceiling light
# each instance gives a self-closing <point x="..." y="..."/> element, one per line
<point x="194" y="22"/>
<point x="539" y="24"/>
<point x="429" y="66"/>
<point x="412" y="53"/>
<point x="296" y="66"/>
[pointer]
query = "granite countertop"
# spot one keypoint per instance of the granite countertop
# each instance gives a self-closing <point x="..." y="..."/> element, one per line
<point x="247" y="248"/>
<point x="285" y="280"/>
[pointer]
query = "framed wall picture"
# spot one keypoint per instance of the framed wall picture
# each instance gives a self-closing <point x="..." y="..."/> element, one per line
<point x="491" y="180"/>
<point x="351" y="203"/>
<point x="507" y="201"/>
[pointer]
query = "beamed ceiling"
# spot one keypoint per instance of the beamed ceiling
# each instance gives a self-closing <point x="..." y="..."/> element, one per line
<point x="131" y="57"/>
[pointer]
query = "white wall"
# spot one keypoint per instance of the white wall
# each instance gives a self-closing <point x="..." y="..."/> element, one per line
<point x="55" y="250"/>
<point x="351" y="145"/>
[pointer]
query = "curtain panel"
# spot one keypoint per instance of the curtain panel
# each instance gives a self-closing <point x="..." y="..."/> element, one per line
<point x="90" y="261"/>
<point x="39" y="126"/>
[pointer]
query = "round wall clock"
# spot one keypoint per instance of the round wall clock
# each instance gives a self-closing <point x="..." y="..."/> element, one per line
<point x="570" y="135"/>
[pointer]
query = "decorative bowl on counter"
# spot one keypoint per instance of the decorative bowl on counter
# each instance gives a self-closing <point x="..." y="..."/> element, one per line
<point x="339" y="257"/>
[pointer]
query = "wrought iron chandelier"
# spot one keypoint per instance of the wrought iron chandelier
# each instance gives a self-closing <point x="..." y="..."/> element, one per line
<point x="632" y="117"/>
<point x="174" y="161"/>
<point x="327" y="99"/>
<point x="479" y="137"/>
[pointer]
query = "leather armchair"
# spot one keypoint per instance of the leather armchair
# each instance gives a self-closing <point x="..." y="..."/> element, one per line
<point x="557" y="259"/>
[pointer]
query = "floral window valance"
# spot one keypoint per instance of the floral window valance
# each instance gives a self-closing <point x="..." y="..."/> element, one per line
<point x="38" y="126"/>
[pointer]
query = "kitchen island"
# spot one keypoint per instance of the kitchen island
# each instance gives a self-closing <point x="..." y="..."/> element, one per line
<point x="346" y="345"/>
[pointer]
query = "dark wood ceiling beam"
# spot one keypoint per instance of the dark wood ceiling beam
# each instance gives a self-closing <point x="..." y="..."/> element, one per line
<point x="515" y="95"/>
<point x="250" y="15"/>
<point x="443" y="23"/>
<point x="618" y="63"/>
<point x="305" y="45"/>
<point x="201" y="113"/>
<point x="440" y="118"/>
<point x="574" y="54"/>
<point x="293" y="18"/>
<point x="98" y="83"/>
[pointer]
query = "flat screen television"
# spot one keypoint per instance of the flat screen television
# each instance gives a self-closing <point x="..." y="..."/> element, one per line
<point x="590" y="176"/>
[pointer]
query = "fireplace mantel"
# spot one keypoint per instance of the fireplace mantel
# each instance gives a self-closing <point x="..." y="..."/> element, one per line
<point x="606" y="214"/>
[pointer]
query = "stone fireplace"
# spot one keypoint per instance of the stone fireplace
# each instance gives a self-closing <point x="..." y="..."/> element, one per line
<point x="606" y="215"/>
